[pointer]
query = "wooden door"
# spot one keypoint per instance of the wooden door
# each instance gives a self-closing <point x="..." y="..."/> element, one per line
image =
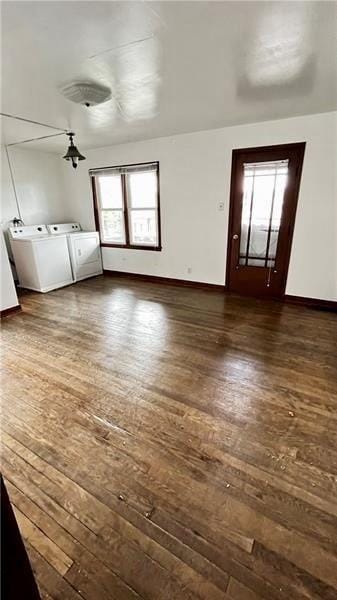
<point x="264" y="190"/>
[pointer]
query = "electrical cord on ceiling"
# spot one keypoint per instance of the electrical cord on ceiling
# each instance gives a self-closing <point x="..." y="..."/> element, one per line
<point x="13" y="184"/>
<point x="16" y="117"/>
<point x="34" y="122"/>
<point x="72" y="153"/>
<point x="41" y="137"/>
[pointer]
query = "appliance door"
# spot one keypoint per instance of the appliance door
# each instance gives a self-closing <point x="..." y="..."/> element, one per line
<point x="85" y="253"/>
<point x="25" y="265"/>
<point x="52" y="263"/>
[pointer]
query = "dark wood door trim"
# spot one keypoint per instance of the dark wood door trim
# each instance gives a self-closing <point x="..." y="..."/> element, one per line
<point x="298" y="149"/>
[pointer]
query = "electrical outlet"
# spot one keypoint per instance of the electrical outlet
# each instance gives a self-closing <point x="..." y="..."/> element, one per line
<point x="189" y="269"/>
<point x="221" y="206"/>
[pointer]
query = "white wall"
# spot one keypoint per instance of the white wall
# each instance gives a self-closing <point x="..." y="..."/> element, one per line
<point x="8" y="297"/>
<point x="39" y="184"/>
<point x="195" y="174"/>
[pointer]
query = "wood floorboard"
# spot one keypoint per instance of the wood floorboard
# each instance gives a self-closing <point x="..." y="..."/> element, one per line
<point x="170" y="443"/>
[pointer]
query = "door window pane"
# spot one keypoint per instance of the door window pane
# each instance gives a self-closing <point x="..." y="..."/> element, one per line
<point x="245" y="215"/>
<point x="143" y="189"/>
<point x="264" y="185"/>
<point x="143" y="227"/>
<point x="112" y="225"/>
<point x="110" y="191"/>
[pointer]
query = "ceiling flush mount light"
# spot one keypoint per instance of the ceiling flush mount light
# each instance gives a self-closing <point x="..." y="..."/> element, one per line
<point x="72" y="153"/>
<point x="87" y="93"/>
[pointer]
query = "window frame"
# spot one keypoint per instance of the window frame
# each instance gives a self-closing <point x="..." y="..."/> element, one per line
<point x="127" y="210"/>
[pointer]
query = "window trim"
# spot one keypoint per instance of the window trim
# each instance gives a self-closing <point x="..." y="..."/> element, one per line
<point x="126" y="211"/>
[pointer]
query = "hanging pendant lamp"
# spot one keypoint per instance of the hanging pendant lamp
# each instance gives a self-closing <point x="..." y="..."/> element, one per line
<point x="72" y="153"/>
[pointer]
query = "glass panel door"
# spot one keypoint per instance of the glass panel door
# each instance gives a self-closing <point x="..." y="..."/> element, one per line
<point x="263" y="194"/>
<point x="264" y="190"/>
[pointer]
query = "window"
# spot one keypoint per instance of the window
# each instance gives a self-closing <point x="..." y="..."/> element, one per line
<point x="126" y="201"/>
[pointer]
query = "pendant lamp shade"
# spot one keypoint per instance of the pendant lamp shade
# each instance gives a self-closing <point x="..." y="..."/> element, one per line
<point x="72" y="153"/>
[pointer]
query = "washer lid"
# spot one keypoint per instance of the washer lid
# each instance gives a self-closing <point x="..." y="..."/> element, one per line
<point x="56" y="228"/>
<point x="28" y="231"/>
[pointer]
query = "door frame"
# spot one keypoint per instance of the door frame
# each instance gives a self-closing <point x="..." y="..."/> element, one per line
<point x="299" y="148"/>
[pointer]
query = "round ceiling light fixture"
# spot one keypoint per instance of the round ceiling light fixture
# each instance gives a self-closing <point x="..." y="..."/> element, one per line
<point x="86" y="93"/>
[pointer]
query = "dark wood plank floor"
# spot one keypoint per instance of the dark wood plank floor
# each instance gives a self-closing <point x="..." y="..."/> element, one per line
<point x="172" y="443"/>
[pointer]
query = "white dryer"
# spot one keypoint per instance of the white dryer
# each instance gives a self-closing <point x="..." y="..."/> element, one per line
<point x="42" y="261"/>
<point x="84" y="249"/>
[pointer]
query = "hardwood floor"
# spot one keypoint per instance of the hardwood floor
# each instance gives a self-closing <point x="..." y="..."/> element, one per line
<point x="172" y="443"/>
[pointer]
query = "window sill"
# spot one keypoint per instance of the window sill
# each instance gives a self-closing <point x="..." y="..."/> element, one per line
<point x="129" y="247"/>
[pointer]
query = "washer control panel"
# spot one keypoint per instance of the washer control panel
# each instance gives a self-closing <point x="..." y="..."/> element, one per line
<point x="55" y="228"/>
<point x="23" y="231"/>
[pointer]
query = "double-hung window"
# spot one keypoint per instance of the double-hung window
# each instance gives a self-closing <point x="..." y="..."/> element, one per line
<point x="126" y="202"/>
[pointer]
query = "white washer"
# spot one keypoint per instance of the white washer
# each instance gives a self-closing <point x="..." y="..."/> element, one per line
<point x="84" y="249"/>
<point x="42" y="261"/>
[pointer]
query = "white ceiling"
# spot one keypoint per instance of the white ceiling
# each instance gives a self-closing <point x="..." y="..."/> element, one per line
<point x="173" y="67"/>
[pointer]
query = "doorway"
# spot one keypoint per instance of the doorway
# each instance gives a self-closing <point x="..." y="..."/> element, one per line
<point x="264" y="190"/>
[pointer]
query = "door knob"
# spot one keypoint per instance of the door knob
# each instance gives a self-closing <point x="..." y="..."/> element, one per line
<point x="235" y="236"/>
